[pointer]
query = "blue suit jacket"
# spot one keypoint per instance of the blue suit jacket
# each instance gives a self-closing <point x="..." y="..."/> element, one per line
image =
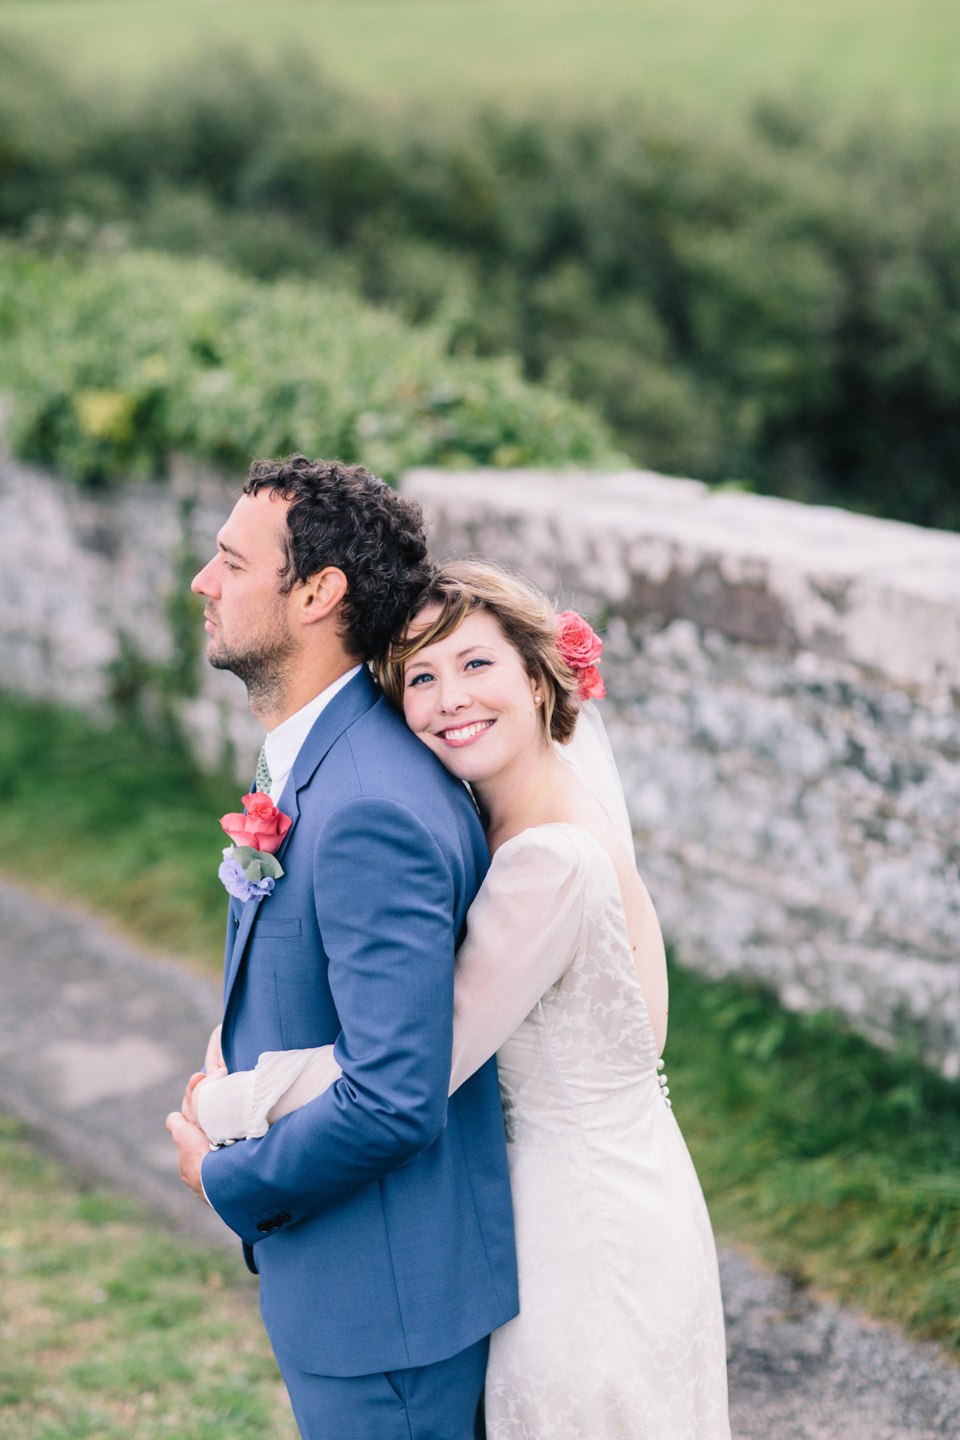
<point x="380" y="1212"/>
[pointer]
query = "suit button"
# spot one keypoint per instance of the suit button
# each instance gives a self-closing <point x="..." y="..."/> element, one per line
<point x="236" y="922"/>
<point x="266" y="1226"/>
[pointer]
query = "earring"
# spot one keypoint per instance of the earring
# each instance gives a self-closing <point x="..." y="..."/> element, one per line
<point x="538" y="699"/>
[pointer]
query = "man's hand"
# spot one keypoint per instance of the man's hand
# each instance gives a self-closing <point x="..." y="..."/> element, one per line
<point x="191" y="1145"/>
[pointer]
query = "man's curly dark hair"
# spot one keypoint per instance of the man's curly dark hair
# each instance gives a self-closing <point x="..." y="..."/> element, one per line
<point x="343" y="515"/>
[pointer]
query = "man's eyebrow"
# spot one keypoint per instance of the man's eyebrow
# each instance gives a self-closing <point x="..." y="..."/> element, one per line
<point x="229" y="550"/>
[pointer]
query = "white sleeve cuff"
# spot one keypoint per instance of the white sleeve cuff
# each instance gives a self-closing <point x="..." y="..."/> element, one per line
<point x="225" y="1107"/>
<point x="244" y="1105"/>
<point x="203" y="1187"/>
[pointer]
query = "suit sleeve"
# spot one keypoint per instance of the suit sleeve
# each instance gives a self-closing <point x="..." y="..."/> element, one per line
<point x="385" y="900"/>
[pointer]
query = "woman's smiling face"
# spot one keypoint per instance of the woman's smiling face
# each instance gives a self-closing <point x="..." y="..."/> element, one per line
<point x="469" y="698"/>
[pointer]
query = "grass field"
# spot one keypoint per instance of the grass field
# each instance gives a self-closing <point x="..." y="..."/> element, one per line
<point x="838" y="1162"/>
<point x="119" y="819"/>
<point x="113" y="1328"/>
<point x="704" y="55"/>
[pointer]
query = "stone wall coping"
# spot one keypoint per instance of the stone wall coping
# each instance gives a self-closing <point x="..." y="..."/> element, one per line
<point x="879" y="593"/>
<point x="818" y="538"/>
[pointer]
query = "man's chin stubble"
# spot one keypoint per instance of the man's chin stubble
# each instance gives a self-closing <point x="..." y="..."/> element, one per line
<point x="264" y="672"/>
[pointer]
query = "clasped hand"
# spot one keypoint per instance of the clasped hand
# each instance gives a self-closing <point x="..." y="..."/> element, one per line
<point x="191" y="1142"/>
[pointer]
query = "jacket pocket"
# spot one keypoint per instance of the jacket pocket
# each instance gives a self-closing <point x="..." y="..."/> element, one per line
<point x="267" y="929"/>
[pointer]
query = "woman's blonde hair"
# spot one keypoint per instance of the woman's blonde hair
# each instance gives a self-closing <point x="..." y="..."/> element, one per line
<point x="526" y="617"/>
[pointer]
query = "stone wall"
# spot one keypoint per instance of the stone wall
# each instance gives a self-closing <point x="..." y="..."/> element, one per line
<point x="88" y="589"/>
<point x="782" y="686"/>
<point x="782" y="683"/>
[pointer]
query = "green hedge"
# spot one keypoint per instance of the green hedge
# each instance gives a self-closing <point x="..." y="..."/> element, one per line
<point x="115" y="362"/>
<point x="779" y="305"/>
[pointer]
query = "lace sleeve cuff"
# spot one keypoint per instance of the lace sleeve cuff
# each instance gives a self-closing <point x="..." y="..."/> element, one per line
<point x="245" y="1104"/>
<point x="225" y="1107"/>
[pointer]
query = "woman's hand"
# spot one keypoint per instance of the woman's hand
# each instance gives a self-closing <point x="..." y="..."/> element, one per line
<point x="213" y="1057"/>
<point x="189" y="1107"/>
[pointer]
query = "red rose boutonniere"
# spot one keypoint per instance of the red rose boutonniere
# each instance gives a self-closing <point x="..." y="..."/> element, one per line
<point x="261" y="826"/>
<point x="249" y="869"/>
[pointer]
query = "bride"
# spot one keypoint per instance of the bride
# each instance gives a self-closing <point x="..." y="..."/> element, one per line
<point x="562" y="974"/>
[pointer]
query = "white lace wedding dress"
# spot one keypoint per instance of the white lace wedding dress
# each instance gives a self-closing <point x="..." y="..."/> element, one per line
<point x="620" y="1332"/>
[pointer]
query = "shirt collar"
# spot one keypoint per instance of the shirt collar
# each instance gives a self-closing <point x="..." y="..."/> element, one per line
<point x="282" y="746"/>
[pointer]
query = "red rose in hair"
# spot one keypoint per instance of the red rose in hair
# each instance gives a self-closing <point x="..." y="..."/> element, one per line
<point x="590" y="684"/>
<point x="262" y="827"/>
<point x="579" y="645"/>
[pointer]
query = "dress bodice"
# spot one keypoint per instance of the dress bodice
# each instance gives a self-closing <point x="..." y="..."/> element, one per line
<point x="589" y="1039"/>
<point x="546" y="978"/>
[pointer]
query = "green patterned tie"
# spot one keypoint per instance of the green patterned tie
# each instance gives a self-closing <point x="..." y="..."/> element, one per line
<point x="262" y="781"/>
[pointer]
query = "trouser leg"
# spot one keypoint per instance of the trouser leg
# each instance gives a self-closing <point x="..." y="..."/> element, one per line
<point x="430" y="1402"/>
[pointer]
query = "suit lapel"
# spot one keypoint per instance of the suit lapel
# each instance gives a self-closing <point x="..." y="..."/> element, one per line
<point x="245" y="919"/>
<point x="345" y="707"/>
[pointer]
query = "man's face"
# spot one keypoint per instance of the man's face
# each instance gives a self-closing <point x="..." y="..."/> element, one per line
<point x="246" y="615"/>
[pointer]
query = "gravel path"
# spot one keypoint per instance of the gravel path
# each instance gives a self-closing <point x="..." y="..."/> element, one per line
<point x="96" y="1041"/>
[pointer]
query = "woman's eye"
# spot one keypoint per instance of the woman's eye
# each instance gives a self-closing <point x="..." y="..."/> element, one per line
<point x="424" y="675"/>
<point x="478" y="664"/>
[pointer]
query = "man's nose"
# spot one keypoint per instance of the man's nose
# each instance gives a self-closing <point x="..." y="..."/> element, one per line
<point x="203" y="582"/>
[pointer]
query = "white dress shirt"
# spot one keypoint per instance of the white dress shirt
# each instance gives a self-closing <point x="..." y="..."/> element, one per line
<point x="283" y="745"/>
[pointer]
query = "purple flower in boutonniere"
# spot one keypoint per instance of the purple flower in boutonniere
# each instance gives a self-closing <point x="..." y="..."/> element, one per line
<point x="247" y="874"/>
<point x="250" y="869"/>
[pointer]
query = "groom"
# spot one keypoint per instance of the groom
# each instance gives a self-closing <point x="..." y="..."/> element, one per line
<point x="378" y="1215"/>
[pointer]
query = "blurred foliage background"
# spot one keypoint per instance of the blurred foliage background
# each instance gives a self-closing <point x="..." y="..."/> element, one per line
<point x="706" y="55"/>
<point x="120" y="361"/>
<point x="771" y="297"/>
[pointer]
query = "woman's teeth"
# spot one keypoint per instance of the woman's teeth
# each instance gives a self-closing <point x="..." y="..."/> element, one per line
<point x="467" y="732"/>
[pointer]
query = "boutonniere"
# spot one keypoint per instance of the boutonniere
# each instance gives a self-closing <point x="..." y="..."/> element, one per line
<point x="250" y="868"/>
